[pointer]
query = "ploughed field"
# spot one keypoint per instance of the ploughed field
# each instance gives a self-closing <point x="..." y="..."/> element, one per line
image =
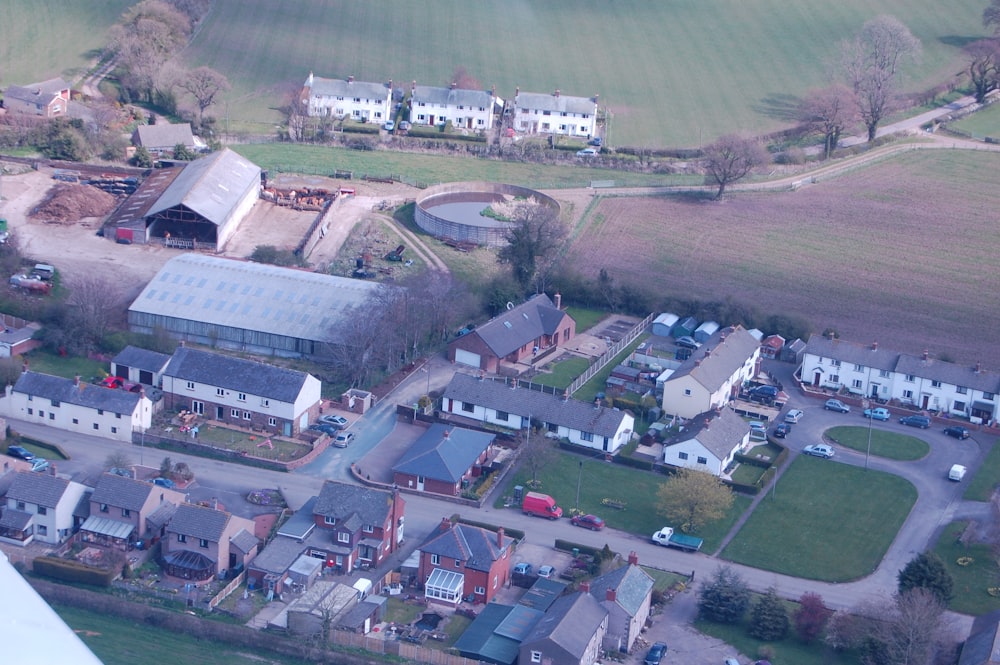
<point x="903" y="252"/>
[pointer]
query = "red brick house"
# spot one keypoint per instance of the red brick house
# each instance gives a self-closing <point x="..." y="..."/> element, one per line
<point x="518" y="335"/>
<point x="358" y="527"/>
<point x="458" y="561"/>
<point x="444" y="458"/>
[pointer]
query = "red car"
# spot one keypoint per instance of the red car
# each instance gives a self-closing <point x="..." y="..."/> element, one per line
<point x="592" y="522"/>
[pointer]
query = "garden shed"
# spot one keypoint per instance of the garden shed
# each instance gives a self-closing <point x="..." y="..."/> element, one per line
<point x="704" y="331"/>
<point x="664" y="323"/>
<point x="685" y="327"/>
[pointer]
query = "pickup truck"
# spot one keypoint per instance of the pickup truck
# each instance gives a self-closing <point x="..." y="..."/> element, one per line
<point x="668" y="538"/>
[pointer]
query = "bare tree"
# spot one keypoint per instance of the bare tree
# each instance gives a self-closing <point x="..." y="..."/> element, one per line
<point x="733" y="158"/>
<point x="533" y="242"/>
<point x="204" y="83"/>
<point x="536" y="450"/>
<point x="909" y="629"/>
<point x="991" y="16"/>
<point x="871" y="63"/>
<point x="147" y="35"/>
<point x="829" y="111"/>
<point x="984" y="67"/>
<point x="96" y="306"/>
<point x="356" y="335"/>
<point x="119" y="459"/>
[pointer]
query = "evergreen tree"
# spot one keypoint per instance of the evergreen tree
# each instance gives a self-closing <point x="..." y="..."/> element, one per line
<point x="927" y="571"/>
<point x="769" y="619"/>
<point x="725" y="597"/>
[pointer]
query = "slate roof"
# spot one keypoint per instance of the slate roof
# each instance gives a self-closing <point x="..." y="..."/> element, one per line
<point x="15" y="519"/>
<point x="556" y="104"/>
<point x="719" y="358"/>
<point x="37" y="93"/>
<point x="523" y="324"/>
<point x="282" y="552"/>
<point x="144" y="359"/>
<point x="236" y="374"/>
<point x="164" y="135"/>
<point x="354" y="505"/>
<point x="852" y="353"/>
<point x="476" y="546"/>
<point x="161" y="516"/>
<point x="120" y="492"/>
<point x="496" y="633"/>
<point x="454" y="97"/>
<point x="41" y="489"/>
<point x="301" y="523"/>
<point x="542" y="593"/>
<point x="18" y="335"/>
<point x="210" y="186"/>
<point x="244" y="541"/>
<point x="443" y="452"/>
<point x="723" y="432"/>
<point x="199" y="522"/>
<point x="632" y="586"/>
<point x="570" y="623"/>
<point x="571" y="413"/>
<point x="87" y="395"/>
<point x="322" y="87"/>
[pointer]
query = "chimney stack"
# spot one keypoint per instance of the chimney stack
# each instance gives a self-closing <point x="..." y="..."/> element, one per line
<point x="557" y="92"/>
<point x="215" y="503"/>
<point x="585" y="586"/>
<point x="558" y="300"/>
<point x="413" y="85"/>
<point x="874" y="346"/>
<point x="517" y="91"/>
<point x="454" y="85"/>
<point x="446" y="434"/>
<point x="76" y="380"/>
<point x="350" y="79"/>
<point x="926" y="354"/>
<point x="633" y="558"/>
<point x="500" y="537"/>
<point x="979" y="366"/>
<point x="445" y="524"/>
<point x="610" y="595"/>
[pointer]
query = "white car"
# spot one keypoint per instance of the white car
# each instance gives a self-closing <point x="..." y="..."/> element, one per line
<point x="819" y="450"/>
<point x="334" y="419"/>
<point x="389" y="125"/>
<point x="587" y="152"/>
<point x="793" y="416"/>
<point x="343" y="439"/>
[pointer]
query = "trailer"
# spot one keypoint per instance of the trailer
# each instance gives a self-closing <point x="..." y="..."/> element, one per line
<point x="668" y="538"/>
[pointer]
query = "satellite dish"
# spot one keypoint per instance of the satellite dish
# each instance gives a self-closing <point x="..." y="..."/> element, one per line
<point x="510" y="305"/>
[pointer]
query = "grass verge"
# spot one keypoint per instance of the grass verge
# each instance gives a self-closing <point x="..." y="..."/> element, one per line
<point x="973" y="580"/>
<point x="884" y="444"/>
<point x="986" y="478"/>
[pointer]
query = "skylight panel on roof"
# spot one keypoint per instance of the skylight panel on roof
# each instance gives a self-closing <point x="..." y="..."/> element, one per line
<point x="246" y="289"/>
<point x="208" y="303"/>
<point x="220" y="306"/>
<point x="177" y="278"/>
<point x="151" y="294"/>
<point x="163" y="295"/>
<point x="259" y="292"/>
<point x="165" y="277"/>
<point x="189" y="281"/>
<point x="506" y="324"/>
<point x="189" y="300"/>
<point x="267" y="312"/>
<point x="234" y="287"/>
<point x="202" y="283"/>
<point x="246" y="309"/>
<point x="177" y="297"/>
<point x="221" y="285"/>
<point x="278" y="315"/>
<point x="279" y="294"/>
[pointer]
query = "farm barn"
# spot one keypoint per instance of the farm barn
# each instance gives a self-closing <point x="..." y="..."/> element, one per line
<point x="252" y="307"/>
<point x="199" y="205"/>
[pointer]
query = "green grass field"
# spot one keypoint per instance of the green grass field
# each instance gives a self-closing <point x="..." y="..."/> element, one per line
<point x="981" y="123"/>
<point x="987" y="477"/>
<point x="973" y="580"/>
<point x="671" y="73"/>
<point x="884" y="444"/>
<point x="824" y="521"/>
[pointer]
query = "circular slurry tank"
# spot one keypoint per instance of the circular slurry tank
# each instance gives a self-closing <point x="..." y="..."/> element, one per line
<point x="454" y="210"/>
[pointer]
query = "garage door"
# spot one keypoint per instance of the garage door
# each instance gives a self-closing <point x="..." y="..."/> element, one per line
<point x="467" y="358"/>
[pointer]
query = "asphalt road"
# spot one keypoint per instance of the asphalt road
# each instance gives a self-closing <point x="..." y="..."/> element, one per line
<point x="939" y="500"/>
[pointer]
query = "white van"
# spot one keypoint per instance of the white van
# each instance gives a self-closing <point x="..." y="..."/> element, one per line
<point x="957" y="472"/>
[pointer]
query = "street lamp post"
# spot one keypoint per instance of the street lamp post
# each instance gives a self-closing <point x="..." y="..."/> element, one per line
<point x="579" y="478"/>
<point x="865" y="404"/>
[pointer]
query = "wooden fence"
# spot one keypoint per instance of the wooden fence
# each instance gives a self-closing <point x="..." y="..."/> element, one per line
<point x="226" y="592"/>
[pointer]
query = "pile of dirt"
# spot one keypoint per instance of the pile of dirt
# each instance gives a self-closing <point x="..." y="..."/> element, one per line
<point x="66" y="203"/>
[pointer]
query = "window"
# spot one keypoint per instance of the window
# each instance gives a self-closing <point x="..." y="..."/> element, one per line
<point x="935" y="384"/>
<point x="910" y="378"/>
<point x="988" y="396"/>
<point x="859" y="368"/>
<point x="682" y="455"/>
<point x="126" y="512"/>
<point x="96" y="426"/>
<point x="458" y="563"/>
<point x="503" y="415"/>
<point x="52" y="416"/>
<point x="220" y="392"/>
<point x="20" y="506"/>
<point x="495" y="580"/>
<point x="480" y="590"/>
<point x="368" y="528"/>
<point x="834" y="378"/>
<point x="884" y="373"/>
<point x="857" y="383"/>
<point x="202" y="543"/>
<point x="42" y="510"/>
<point x="272" y="422"/>
<point x="118" y="416"/>
<point x="43" y="530"/>
<point x="100" y="412"/>
<point x="76" y="421"/>
<point x="908" y="394"/>
<point x="536" y="656"/>
<point x="265" y="402"/>
<point x="55" y="403"/>
<point x="468" y="408"/>
<point x="961" y="390"/>
<point x="114" y="430"/>
<point x="104" y="507"/>
<point x="235" y="413"/>
<point x="181" y="538"/>
<point x="435" y="559"/>
<point x="687" y="392"/>
<point x="241" y="397"/>
<point x="835" y="363"/>
<point x="343" y="537"/>
<point x="958" y="406"/>
<point x="31" y="398"/>
<point x="702" y="460"/>
<point x="586" y="436"/>
<point x="331" y="521"/>
<point x="30" y="411"/>
<point x="41" y="414"/>
<point x="246" y="415"/>
<point x="190" y="385"/>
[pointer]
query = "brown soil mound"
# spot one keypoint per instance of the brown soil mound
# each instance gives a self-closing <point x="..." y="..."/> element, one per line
<point x="67" y="203"/>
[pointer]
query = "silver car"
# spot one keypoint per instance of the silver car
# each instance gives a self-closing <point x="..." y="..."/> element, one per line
<point x="819" y="450"/>
<point x="836" y="405"/>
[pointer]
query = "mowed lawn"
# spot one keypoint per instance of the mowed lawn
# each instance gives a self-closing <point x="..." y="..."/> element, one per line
<point x="877" y="254"/>
<point x="824" y="521"/>
<point x="981" y="123"/>
<point x="671" y="73"/>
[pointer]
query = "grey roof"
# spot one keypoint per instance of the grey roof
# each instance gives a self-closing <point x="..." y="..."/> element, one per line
<point x="161" y="516"/>
<point x="556" y="103"/>
<point x="301" y="523"/>
<point x="37" y="93"/>
<point x="107" y="527"/>
<point x="496" y="633"/>
<point x="249" y="376"/>
<point x="543" y="593"/>
<point x="41" y="489"/>
<point x="476" y="546"/>
<point x="199" y="522"/>
<point x="17" y="335"/>
<point x="570" y="624"/>
<point x="983" y="643"/>
<point x="120" y="492"/>
<point x="15" y="519"/>
<point x="516" y="327"/>
<point x="244" y="541"/>
<point x="210" y="186"/>
<point x="240" y="294"/>
<point x="443" y="453"/>
<point x="348" y="89"/>
<point x="357" y="506"/>
<point x="852" y="352"/>
<point x="281" y="553"/>
<point x="718" y="431"/>
<point x="144" y="359"/>
<point x="718" y="358"/>
<point x="632" y="585"/>
<point x="573" y="414"/>
<point x="453" y="97"/>
<point x="87" y="395"/>
<point x="164" y="135"/>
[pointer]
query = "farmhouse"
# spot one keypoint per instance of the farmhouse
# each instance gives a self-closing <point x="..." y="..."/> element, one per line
<point x="713" y="374"/>
<point x="241" y="392"/>
<point x="519" y="334"/>
<point x="199" y="205"/>
<point x="538" y="113"/>
<point x="163" y="138"/>
<point x="444" y="459"/>
<point x="48" y="99"/>
<point x="354" y="100"/>
<point x="915" y="381"/>
<point x="506" y="405"/>
<point x="246" y="306"/>
<point x="708" y="442"/>
<point x="463" y="108"/>
<point x="75" y="406"/>
<point x="458" y="561"/>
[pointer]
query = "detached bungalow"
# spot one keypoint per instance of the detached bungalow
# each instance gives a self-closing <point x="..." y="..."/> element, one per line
<point x="443" y="459"/>
<point x="47" y="99"/>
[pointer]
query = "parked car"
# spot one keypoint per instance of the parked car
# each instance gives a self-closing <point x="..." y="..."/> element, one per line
<point x="20" y="452"/>
<point x="836" y="405"/>
<point x="793" y="416"/>
<point x="687" y="342"/>
<point x="923" y="422"/>
<point x="334" y="419"/>
<point x="957" y="431"/>
<point x="546" y="571"/>
<point x="404" y="126"/>
<point x="343" y="439"/>
<point x="522" y="568"/>
<point x="389" y="125"/>
<point x="587" y="152"/>
<point x="324" y="428"/>
<point x="39" y="464"/>
<point x="596" y="141"/>
<point x="592" y="522"/>
<point x="877" y="414"/>
<point x="165" y="482"/>
<point x="782" y="430"/>
<point x="655" y="653"/>
<point x="819" y="450"/>
<point x="765" y="393"/>
<point x="732" y="661"/>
